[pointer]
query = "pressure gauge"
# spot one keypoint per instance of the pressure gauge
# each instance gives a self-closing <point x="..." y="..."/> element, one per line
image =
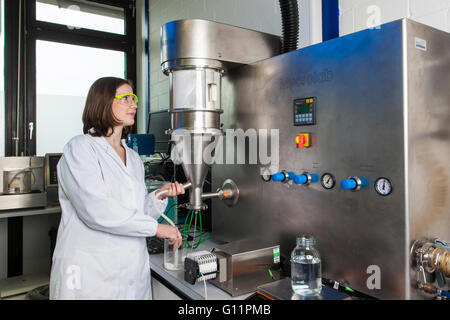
<point x="383" y="186"/>
<point x="328" y="181"/>
<point x="266" y="174"/>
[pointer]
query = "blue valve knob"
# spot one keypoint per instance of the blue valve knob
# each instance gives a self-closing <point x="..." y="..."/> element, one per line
<point x="278" y="177"/>
<point x="349" y="184"/>
<point x="300" y="179"/>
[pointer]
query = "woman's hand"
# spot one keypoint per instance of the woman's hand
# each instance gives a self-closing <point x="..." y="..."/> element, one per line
<point x="173" y="189"/>
<point x="165" y="231"/>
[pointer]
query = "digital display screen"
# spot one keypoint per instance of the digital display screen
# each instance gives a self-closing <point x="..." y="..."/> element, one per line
<point x="51" y="163"/>
<point x="303" y="109"/>
<point x="53" y="173"/>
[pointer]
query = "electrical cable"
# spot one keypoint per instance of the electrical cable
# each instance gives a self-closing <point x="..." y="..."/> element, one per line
<point x="204" y="283"/>
<point x="186" y="232"/>
<point x="195" y="229"/>
<point x="201" y="231"/>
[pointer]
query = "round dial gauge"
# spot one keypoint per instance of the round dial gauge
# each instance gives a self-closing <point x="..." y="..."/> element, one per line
<point x="328" y="181"/>
<point x="266" y="175"/>
<point x="383" y="186"/>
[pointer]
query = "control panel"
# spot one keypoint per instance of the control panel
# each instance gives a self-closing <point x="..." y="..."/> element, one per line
<point x="305" y="111"/>
<point x="382" y="186"/>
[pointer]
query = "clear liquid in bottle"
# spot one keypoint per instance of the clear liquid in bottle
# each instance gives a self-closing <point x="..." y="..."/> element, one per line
<point x="306" y="268"/>
<point x="306" y="277"/>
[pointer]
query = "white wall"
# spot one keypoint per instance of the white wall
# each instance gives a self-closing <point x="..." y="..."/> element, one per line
<point x="261" y="15"/>
<point x="356" y="15"/>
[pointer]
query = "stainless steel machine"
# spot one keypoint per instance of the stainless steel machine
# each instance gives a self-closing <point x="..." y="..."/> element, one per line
<point x="22" y="182"/>
<point x="376" y="107"/>
<point x="195" y="54"/>
<point x="238" y="267"/>
<point x="364" y="142"/>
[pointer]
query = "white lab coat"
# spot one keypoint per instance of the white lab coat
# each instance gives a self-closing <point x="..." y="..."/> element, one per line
<point x="101" y="250"/>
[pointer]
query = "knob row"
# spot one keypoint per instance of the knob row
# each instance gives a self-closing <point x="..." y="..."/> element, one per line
<point x="352" y="183"/>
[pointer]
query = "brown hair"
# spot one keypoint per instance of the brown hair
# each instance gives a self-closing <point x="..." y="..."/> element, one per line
<point x="97" y="112"/>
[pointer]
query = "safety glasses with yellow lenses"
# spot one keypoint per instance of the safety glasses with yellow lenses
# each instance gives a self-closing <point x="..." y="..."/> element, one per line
<point x="127" y="98"/>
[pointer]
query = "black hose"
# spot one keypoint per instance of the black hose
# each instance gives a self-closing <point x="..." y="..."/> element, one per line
<point x="290" y="22"/>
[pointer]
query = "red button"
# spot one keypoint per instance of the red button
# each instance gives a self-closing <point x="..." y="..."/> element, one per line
<point x="301" y="140"/>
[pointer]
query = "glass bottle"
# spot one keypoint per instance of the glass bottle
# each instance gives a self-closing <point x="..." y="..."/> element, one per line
<point x="306" y="268"/>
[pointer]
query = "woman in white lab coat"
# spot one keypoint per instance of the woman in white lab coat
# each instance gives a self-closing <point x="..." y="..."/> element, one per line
<point x="101" y="250"/>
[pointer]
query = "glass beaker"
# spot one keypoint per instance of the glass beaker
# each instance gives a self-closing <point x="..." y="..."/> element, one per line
<point x="173" y="260"/>
<point x="306" y="268"/>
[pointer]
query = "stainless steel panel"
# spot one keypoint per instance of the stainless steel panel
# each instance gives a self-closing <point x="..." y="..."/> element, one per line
<point x="14" y="163"/>
<point x="199" y="120"/>
<point x="428" y="133"/>
<point x="22" y="201"/>
<point x="37" y="197"/>
<point x="359" y="84"/>
<point x="247" y="265"/>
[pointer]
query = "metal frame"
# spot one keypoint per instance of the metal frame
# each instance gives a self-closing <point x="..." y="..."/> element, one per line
<point x="330" y="19"/>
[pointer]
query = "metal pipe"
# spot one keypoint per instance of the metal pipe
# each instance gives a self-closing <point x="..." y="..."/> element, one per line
<point x="19" y="48"/>
<point x="212" y="195"/>
<point x="187" y="185"/>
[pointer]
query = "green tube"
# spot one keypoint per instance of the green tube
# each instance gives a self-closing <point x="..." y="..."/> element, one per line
<point x="186" y="232"/>
<point x="206" y="238"/>
<point x="189" y="228"/>
<point x="201" y="230"/>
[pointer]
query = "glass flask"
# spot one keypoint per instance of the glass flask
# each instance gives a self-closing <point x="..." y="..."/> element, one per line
<point x="306" y="268"/>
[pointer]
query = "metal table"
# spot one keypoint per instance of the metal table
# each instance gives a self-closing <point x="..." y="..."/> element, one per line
<point x="197" y="291"/>
<point x="29" y="212"/>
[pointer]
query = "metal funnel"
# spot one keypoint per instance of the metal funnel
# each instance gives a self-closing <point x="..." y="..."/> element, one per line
<point x="195" y="153"/>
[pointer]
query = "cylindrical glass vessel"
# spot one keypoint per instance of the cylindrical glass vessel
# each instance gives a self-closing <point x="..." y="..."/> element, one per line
<point x="306" y="268"/>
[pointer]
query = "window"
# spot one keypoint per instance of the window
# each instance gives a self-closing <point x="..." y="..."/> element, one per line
<point x="64" y="74"/>
<point x="64" y="45"/>
<point x="80" y="14"/>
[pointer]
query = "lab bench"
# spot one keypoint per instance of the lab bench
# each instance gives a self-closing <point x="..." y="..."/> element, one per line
<point x="32" y="247"/>
<point x="174" y="280"/>
<point x="29" y="212"/>
<point x="170" y="285"/>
